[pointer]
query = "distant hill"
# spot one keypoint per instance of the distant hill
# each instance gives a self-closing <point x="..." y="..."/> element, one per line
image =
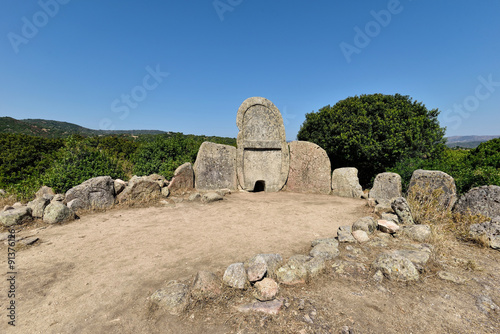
<point x="468" y="141"/>
<point x="54" y="129"/>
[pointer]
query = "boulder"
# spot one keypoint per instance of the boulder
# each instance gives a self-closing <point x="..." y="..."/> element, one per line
<point x="325" y="250"/>
<point x="490" y="230"/>
<point x="423" y="183"/>
<point x="211" y="197"/>
<point x="266" y="290"/>
<point x="419" y="258"/>
<point x="310" y="169"/>
<point x="367" y="224"/>
<point x="98" y="192"/>
<point x="420" y="233"/>
<point x="139" y="189"/>
<point x="235" y="276"/>
<point x="386" y="186"/>
<point x="256" y="268"/>
<point x="313" y="265"/>
<point x="174" y="298"/>
<point x="206" y="285"/>
<point x="391" y="217"/>
<point x="483" y="200"/>
<point x="57" y="212"/>
<point x="119" y="186"/>
<point x="215" y="167"/>
<point x="345" y="183"/>
<point x="344" y="234"/>
<point x="402" y="210"/>
<point x="396" y="267"/>
<point x="44" y="190"/>
<point x="387" y="226"/>
<point x="273" y="262"/>
<point x="38" y="206"/>
<point x="15" y="216"/>
<point x="183" y="179"/>
<point x="292" y="273"/>
<point x="360" y="236"/>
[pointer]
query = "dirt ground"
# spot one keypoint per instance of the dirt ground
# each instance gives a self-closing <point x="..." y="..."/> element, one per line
<point x="96" y="273"/>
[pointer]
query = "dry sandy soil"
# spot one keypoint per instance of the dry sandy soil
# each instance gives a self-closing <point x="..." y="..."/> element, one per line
<point x="94" y="275"/>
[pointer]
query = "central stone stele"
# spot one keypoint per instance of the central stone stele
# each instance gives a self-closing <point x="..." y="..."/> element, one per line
<point x="263" y="157"/>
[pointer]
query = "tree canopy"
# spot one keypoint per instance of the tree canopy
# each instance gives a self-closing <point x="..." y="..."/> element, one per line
<point x="374" y="132"/>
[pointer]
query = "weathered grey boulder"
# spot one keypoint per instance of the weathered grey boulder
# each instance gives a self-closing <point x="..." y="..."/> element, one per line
<point x="266" y="290"/>
<point x="344" y="234"/>
<point x="420" y="233"/>
<point x="15" y="216"/>
<point x="211" y="197"/>
<point x="325" y="250"/>
<point x="423" y="183"/>
<point x="44" y="190"/>
<point x="139" y="189"/>
<point x="386" y="186"/>
<point x="256" y="268"/>
<point x="367" y="224"/>
<point x="292" y="273"/>
<point x="174" y="298"/>
<point x="345" y="183"/>
<point x="215" y="167"/>
<point x="313" y="265"/>
<point x="119" y="186"/>
<point x="490" y="230"/>
<point x="332" y="241"/>
<point x="402" y="210"/>
<point x="38" y="206"/>
<point x="235" y="276"/>
<point x="396" y="267"/>
<point x="98" y="192"/>
<point x="183" y="179"/>
<point x="483" y="200"/>
<point x="262" y="157"/>
<point x="419" y="258"/>
<point x="310" y="169"/>
<point x="57" y="212"/>
<point x="206" y="285"/>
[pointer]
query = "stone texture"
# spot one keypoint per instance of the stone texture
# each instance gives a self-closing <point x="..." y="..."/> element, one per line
<point x="390" y="216"/>
<point x="256" y="268"/>
<point x="139" y="189"/>
<point x="165" y="192"/>
<point x="360" y="236"/>
<point x="486" y="305"/>
<point x="490" y="230"/>
<point x="270" y="307"/>
<point x="387" y="226"/>
<point x="345" y="183"/>
<point x="235" y="276"/>
<point x="348" y="268"/>
<point x="262" y="157"/>
<point x="420" y="233"/>
<point x="160" y="179"/>
<point x="174" y="298"/>
<point x="206" y="285"/>
<point x="425" y="182"/>
<point x="367" y="224"/>
<point x="273" y="262"/>
<point x="119" y="186"/>
<point x="211" y="197"/>
<point x="383" y="206"/>
<point x="344" y="234"/>
<point x="386" y="186"/>
<point x="183" y="179"/>
<point x="215" y="167"/>
<point x="98" y="192"/>
<point x="402" y="210"/>
<point x="419" y="258"/>
<point x="38" y="205"/>
<point x="58" y="198"/>
<point x="16" y="216"/>
<point x="265" y="290"/>
<point x="76" y="204"/>
<point x="325" y="250"/>
<point x="44" y="190"/>
<point x="332" y="241"/>
<point x="310" y="169"/>
<point x="292" y="273"/>
<point x="313" y="265"/>
<point x="450" y="277"/>
<point x="396" y="267"/>
<point x="57" y="213"/>
<point x="481" y="200"/>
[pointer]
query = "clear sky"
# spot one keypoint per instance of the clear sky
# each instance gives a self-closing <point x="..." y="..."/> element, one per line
<point x="186" y="66"/>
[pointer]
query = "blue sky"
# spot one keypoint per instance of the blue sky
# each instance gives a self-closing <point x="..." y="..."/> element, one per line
<point x="186" y="66"/>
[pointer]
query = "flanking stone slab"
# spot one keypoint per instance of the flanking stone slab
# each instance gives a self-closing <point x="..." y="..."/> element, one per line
<point x="183" y="179"/>
<point x="310" y="169"/>
<point x="425" y="182"/>
<point x="262" y="157"/>
<point x="484" y="200"/>
<point x="386" y="186"/>
<point x="345" y="183"/>
<point x="215" y="167"/>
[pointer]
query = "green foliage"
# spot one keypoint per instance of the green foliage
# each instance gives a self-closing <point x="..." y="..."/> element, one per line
<point x="78" y="162"/>
<point x="374" y="132"/>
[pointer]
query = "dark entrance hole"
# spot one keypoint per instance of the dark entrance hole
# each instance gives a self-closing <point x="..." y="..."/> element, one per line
<point x="259" y="186"/>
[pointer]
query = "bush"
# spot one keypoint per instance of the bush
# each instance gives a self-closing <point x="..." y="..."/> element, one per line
<point x="374" y="132"/>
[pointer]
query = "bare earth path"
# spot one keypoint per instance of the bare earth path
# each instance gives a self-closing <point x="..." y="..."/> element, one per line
<point x="94" y="275"/>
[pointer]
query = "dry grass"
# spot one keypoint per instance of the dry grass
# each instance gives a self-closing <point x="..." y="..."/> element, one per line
<point x="7" y="200"/>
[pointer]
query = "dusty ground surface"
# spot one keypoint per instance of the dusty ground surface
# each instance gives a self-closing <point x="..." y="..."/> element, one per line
<point x="94" y="275"/>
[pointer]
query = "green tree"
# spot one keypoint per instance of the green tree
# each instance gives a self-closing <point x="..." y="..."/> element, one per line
<point x="374" y="132"/>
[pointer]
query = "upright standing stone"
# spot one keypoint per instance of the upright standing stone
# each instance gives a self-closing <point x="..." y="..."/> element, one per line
<point x="345" y="183"/>
<point x="483" y="200"/>
<point x="183" y="178"/>
<point x="262" y="159"/>
<point x="215" y="167"/>
<point x="424" y="182"/>
<point x="386" y="187"/>
<point x="309" y="169"/>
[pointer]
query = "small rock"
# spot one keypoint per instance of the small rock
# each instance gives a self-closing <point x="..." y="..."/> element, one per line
<point x="396" y="267"/>
<point x="266" y="290"/>
<point x="390" y="217"/>
<point x="447" y="276"/>
<point x="206" y="285"/>
<point x="235" y="276"/>
<point x="15" y="216"/>
<point x="325" y="251"/>
<point x="418" y="258"/>
<point x="332" y="241"/>
<point x="119" y="185"/>
<point x="194" y="197"/>
<point x="58" y="198"/>
<point x="44" y="190"/>
<point x="344" y="234"/>
<point x="270" y="307"/>
<point x="348" y="268"/>
<point x="384" y="206"/>
<point x="165" y="192"/>
<point x="378" y="277"/>
<point x="360" y="236"/>
<point x="224" y="192"/>
<point x="17" y="205"/>
<point x="174" y="298"/>
<point x="28" y="241"/>
<point x="256" y="268"/>
<point x="57" y="212"/>
<point x="292" y="273"/>
<point x="387" y="226"/>
<point x="367" y="224"/>
<point x="313" y="265"/>
<point x="420" y="233"/>
<point x="211" y="197"/>
<point x="402" y="210"/>
<point x="38" y="205"/>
